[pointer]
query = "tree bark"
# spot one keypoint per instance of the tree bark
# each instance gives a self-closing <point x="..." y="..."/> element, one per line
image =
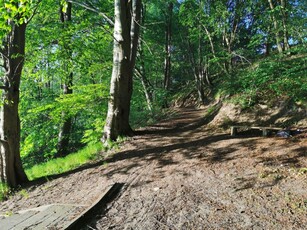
<point x="65" y="127"/>
<point x="276" y="28"/>
<point x="284" y="15"/>
<point x="141" y="72"/>
<point x="267" y="43"/>
<point x="168" y="40"/>
<point x="13" y="51"/>
<point x="126" y="34"/>
<point x="200" y="73"/>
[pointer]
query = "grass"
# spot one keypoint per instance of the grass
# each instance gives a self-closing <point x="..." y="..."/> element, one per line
<point x="57" y="166"/>
<point x="61" y="165"/>
<point x="4" y="191"/>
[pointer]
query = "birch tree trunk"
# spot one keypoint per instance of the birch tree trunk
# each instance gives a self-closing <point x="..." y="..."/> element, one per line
<point x="126" y="34"/>
<point x="13" y="51"/>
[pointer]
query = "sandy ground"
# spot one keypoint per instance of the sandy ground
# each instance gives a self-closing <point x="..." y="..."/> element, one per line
<point x="183" y="174"/>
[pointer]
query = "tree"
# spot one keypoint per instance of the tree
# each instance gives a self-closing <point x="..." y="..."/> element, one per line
<point x="54" y="50"/>
<point x="126" y="34"/>
<point x="65" y="127"/>
<point x="276" y="27"/>
<point x="140" y="71"/>
<point x="168" y="45"/>
<point x="12" y="55"/>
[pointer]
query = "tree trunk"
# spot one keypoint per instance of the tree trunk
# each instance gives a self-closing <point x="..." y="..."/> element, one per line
<point x="284" y="23"/>
<point x="141" y="73"/>
<point x="267" y="44"/>
<point x="276" y="28"/>
<point x="126" y="34"/>
<point x="200" y="72"/>
<point x="13" y="51"/>
<point x="65" y="127"/>
<point x="168" y="39"/>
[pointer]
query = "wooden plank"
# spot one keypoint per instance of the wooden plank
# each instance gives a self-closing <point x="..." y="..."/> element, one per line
<point x="265" y="130"/>
<point x="59" y="216"/>
<point x="98" y="206"/>
<point x="52" y="216"/>
<point x="233" y="131"/>
<point x="256" y="127"/>
<point x="10" y="222"/>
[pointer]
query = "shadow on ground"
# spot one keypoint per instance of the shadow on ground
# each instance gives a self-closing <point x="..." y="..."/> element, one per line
<point x="188" y="148"/>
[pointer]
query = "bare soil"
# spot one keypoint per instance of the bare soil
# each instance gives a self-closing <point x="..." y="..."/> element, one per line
<point x="184" y="174"/>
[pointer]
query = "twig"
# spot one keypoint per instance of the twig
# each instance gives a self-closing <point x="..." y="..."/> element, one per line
<point x="241" y="57"/>
<point x="93" y="10"/>
<point x="34" y="12"/>
<point x="142" y="40"/>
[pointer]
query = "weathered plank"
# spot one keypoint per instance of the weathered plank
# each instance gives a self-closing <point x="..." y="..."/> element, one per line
<point x="265" y="130"/>
<point x="98" y="206"/>
<point x="11" y="221"/>
<point x="52" y="216"/>
<point x="59" y="216"/>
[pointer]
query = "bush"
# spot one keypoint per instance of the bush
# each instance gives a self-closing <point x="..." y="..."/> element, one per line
<point x="278" y="76"/>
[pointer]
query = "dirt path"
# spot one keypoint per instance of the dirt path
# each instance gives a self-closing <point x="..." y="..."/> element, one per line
<point x="181" y="174"/>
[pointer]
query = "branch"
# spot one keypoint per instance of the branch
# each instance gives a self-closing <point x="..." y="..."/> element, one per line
<point x="99" y="13"/>
<point x="153" y="23"/>
<point x="93" y="10"/>
<point x="141" y="77"/>
<point x="3" y="87"/>
<point x="147" y="46"/>
<point x="241" y="57"/>
<point x="34" y="12"/>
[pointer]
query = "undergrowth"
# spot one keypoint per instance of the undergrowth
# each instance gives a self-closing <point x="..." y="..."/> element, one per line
<point x="4" y="191"/>
<point x="268" y="79"/>
<point x="61" y="165"/>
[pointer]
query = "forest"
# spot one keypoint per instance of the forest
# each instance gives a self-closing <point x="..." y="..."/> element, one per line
<point x="79" y="77"/>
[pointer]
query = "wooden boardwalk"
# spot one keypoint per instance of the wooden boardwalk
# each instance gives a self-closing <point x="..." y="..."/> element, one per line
<point x="54" y="216"/>
<point x="59" y="216"/>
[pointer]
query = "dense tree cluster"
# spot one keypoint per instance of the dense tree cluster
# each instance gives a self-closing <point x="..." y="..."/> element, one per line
<point x="59" y="75"/>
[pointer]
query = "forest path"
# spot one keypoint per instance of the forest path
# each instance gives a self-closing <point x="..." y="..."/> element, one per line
<point x="182" y="174"/>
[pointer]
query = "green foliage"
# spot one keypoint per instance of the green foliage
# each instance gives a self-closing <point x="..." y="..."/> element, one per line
<point x="61" y="165"/>
<point x="4" y="191"/>
<point x="52" y="51"/>
<point x="277" y="76"/>
<point x="24" y="193"/>
<point x="18" y="11"/>
<point x="215" y="38"/>
<point x="140" y="114"/>
<point x="93" y="135"/>
<point x="88" y="103"/>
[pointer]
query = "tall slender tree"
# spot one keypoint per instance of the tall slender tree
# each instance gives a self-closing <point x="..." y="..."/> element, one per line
<point x="12" y="53"/>
<point x="65" y="127"/>
<point x="168" y="45"/>
<point x="126" y="35"/>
